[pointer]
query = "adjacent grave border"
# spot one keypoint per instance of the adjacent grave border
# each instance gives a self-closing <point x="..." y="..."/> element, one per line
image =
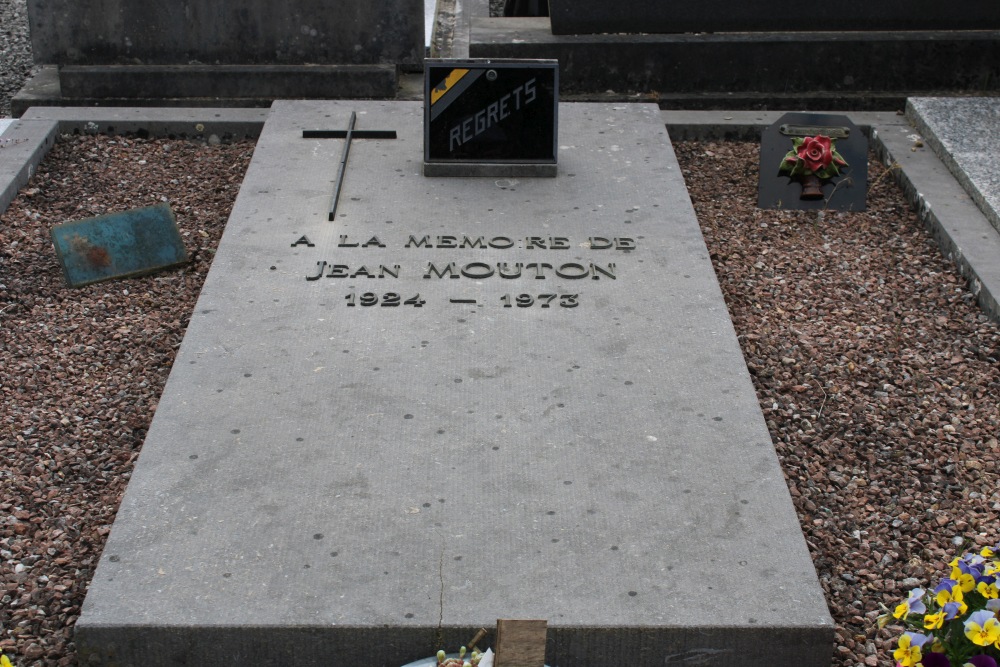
<point x="962" y="231"/>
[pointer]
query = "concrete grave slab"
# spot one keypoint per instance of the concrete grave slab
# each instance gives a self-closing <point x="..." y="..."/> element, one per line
<point x="25" y="143"/>
<point x="337" y="477"/>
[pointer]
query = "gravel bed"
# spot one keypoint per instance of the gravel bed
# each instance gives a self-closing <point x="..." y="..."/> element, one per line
<point x="15" y="51"/>
<point x="876" y="372"/>
<point x="81" y="370"/>
<point x="877" y="375"/>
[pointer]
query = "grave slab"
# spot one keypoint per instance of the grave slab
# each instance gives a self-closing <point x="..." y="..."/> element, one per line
<point x="560" y="426"/>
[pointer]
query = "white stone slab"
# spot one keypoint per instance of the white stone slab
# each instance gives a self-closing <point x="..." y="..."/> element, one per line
<point x="965" y="134"/>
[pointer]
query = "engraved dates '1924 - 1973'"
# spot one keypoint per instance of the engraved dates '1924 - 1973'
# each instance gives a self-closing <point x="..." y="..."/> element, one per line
<point x="394" y="299"/>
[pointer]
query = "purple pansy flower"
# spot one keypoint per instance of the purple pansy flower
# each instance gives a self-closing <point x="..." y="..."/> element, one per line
<point x="935" y="660"/>
<point x="982" y="660"/>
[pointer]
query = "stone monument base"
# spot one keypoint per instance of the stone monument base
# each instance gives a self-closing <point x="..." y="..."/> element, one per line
<point x="228" y="81"/>
<point x="727" y="69"/>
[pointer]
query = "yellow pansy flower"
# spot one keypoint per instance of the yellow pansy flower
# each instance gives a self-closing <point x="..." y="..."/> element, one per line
<point x="982" y="628"/>
<point x="988" y="591"/>
<point x="908" y="653"/>
<point x="933" y="621"/>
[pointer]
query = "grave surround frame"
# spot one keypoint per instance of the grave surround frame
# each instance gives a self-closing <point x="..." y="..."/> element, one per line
<point x="295" y="426"/>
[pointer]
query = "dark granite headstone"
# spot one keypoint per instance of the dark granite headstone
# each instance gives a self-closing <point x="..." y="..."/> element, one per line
<point x="241" y="49"/>
<point x="118" y="245"/>
<point x="843" y="192"/>
<point x="490" y="112"/>
<point x="676" y="16"/>
<point x="243" y="32"/>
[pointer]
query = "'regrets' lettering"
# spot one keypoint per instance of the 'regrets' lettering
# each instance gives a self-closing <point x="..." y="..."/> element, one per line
<point x="492" y="114"/>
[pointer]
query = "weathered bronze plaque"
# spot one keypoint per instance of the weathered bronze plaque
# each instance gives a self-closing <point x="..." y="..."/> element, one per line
<point x="118" y="245"/>
<point x="832" y="131"/>
<point x="813" y="161"/>
<point x="491" y="111"/>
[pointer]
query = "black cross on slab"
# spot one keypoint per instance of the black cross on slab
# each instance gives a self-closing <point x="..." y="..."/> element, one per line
<point x="349" y="134"/>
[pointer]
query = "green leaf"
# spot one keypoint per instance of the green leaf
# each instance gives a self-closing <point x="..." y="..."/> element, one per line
<point x="786" y="165"/>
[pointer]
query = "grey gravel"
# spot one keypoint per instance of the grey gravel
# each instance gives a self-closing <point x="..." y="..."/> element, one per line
<point x="16" y="63"/>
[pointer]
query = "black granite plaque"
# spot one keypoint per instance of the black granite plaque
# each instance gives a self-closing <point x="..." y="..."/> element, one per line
<point x="491" y="111"/>
<point x="844" y="191"/>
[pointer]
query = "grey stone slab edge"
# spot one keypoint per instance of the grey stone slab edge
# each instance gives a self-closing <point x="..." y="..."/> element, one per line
<point x="465" y="11"/>
<point x="917" y="112"/>
<point x="192" y="123"/>
<point x="961" y="230"/>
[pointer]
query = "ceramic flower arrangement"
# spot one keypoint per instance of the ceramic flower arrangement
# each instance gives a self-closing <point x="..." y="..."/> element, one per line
<point x="476" y="659"/>
<point x="956" y="623"/>
<point x="811" y="161"/>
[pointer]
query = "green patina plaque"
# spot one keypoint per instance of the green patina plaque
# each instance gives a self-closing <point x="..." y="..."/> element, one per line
<point x="118" y="245"/>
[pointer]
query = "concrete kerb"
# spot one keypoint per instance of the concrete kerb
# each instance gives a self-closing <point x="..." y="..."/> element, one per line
<point x="959" y="227"/>
<point x="26" y="144"/>
<point x="964" y="234"/>
<point x="184" y="122"/>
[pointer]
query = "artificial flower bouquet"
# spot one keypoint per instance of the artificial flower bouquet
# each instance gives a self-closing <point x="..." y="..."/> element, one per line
<point x="956" y="624"/>
<point x="476" y="659"/>
<point x="812" y="155"/>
